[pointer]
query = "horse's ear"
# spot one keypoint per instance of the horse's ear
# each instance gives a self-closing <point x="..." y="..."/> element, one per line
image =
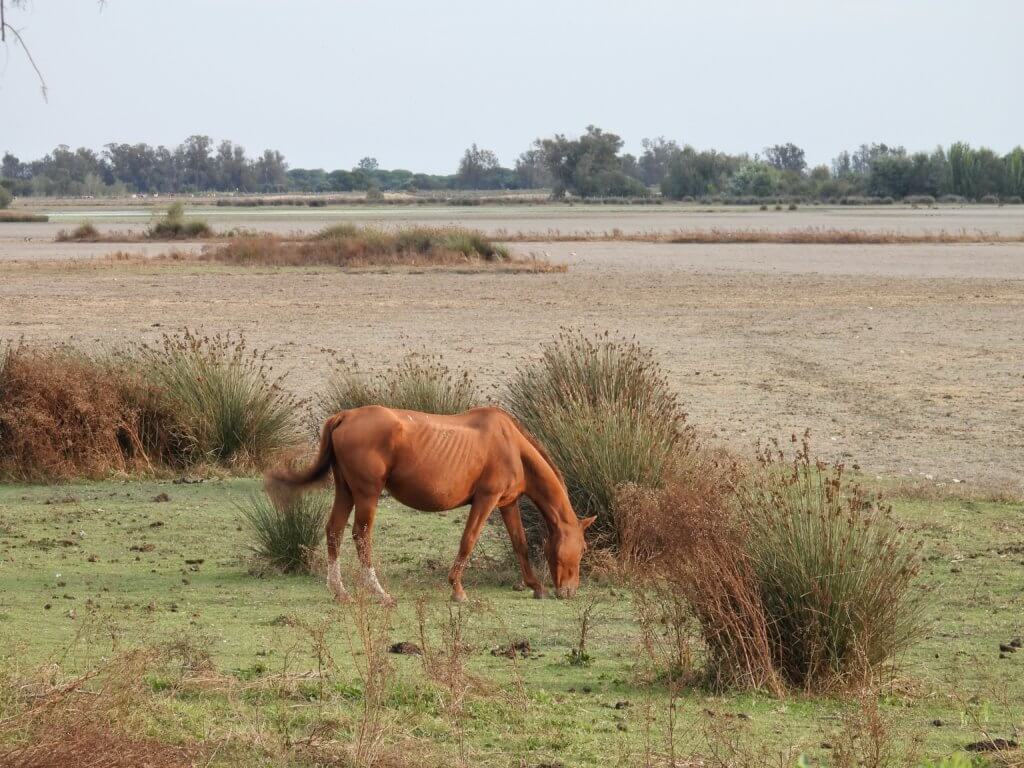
<point x="586" y="522"/>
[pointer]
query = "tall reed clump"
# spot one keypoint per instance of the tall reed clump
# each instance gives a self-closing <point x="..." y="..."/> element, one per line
<point x="605" y="412"/>
<point x="793" y="576"/>
<point x="174" y="226"/>
<point x="285" y="535"/>
<point x="417" y="383"/>
<point x="232" y="410"/>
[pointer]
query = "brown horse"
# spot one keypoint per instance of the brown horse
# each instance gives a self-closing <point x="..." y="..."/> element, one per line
<point x="483" y="457"/>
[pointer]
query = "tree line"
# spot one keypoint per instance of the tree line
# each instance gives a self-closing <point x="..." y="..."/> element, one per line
<point x="588" y="166"/>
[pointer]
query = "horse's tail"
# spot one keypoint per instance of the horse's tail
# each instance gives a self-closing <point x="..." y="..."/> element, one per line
<point x="288" y="478"/>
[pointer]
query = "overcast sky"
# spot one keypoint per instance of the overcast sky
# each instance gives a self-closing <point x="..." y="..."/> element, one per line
<point x="414" y="83"/>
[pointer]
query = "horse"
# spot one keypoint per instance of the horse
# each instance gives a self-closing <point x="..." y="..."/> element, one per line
<point x="430" y="462"/>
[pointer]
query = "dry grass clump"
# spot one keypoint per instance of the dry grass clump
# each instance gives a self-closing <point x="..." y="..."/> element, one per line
<point x="345" y="245"/>
<point x="66" y="414"/>
<point x="174" y="226"/>
<point x="795" y="578"/>
<point x="804" y="236"/>
<point x="85" y="232"/>
<point x="603" y="409"/>
<point x="90" y="720"/>
<point x="22" y="217"/>
<point x="286" y="535"/>
<point x="417" y="383"/>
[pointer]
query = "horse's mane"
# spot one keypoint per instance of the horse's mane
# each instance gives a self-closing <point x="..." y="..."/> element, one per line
<point x="537" y="446"/>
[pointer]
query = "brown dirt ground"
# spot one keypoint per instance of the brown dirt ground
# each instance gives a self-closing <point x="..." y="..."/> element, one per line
<point x="906" y="359"/>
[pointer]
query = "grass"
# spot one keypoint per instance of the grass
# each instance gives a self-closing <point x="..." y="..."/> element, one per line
<point x="803" y="236"/>
<point x="188" y="401"/>
<point x="285" y="538"/>
<point x="85" y="232"/>
<point x="23" y="217"/>
<point x="603" y="409"/>
<point x="417" y="383"/>
<point x="345" y="245"/>
<point x="87" y="566"/>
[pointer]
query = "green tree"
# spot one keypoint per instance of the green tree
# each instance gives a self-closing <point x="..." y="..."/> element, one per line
<point x="477" y="169"/>
<point x="588" y="166"/>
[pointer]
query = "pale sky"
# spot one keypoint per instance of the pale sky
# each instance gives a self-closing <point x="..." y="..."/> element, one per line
<point x="414" y="83"/>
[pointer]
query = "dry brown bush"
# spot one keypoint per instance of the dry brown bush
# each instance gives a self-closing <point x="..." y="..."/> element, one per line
<point x="791" y="576"/>
<point x="64" y="414"/>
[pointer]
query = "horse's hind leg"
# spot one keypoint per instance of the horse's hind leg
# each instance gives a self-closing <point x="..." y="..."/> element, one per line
<point x="335" y="530"/>
<point x="362" y="534"/>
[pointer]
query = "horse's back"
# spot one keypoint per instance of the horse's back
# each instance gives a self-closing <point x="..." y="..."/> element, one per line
<point x="429" y="461"/>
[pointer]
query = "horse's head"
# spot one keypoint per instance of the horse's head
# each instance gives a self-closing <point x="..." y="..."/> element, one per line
<point x="564" y="549"/>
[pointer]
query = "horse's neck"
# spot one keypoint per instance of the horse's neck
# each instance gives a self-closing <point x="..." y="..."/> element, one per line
<point x="545" y="488"/>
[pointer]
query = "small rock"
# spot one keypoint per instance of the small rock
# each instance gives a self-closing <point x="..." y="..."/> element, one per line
<point x="195" y="561"/>
<point x="161" y="497"/>
<point x="1004" y="647"/>
<point x="147" y="547"/>
<point x="621" y="704"/>
<point x="519" y="647"/>
<point x="621" y="726"/>
<point x="938" y="722"/>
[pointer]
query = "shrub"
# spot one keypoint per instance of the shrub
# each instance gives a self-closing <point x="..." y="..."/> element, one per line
<point x="62" y="415"/>
<point x="417" y="383"/>
<point x="604" y="410"/>
<point x="960" y="199"/>
<point x="919" y="200"/>
<point x="174" y="226"/>
<point x="6" y="198"/>
<point x="345" y="245"/>
<point x="22" y="217"/>
<point x="800" y="580"/>
<point x="284" y="538"/>
<point x="83" y="233"/>
<point x="989" y="200"/>
<point x="1013" y="200"/>
<point x="231" y="411"/>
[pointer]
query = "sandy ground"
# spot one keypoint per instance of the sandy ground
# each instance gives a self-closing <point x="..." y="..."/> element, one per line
<point x="905" y="359"/>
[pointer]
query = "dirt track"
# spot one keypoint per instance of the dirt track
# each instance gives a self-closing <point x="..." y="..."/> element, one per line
<point x="909" y="359"/>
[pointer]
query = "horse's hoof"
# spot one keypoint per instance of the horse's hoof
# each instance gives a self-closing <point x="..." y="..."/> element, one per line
<point x="539" y="594"/>
<point x="459" y="597"/>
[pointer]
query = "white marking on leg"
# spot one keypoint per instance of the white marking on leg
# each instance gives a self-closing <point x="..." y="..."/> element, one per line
<point x="334" y="577"/>
<point x="371" y="582"/>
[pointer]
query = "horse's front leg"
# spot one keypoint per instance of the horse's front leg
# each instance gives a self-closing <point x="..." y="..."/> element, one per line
<point x="517" y="535"/>
<point x="483" y="505"/>
<point x="362" y="534"/>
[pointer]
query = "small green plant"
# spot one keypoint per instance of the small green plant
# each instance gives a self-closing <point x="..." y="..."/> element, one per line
<point x="5" y="197"/>
<point x="174" y="226"/>
<point x="285" y="537"/>
<point x="417" y="383"/>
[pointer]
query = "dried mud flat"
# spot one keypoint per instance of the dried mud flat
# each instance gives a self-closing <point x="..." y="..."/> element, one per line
<point x="908" y="360"/>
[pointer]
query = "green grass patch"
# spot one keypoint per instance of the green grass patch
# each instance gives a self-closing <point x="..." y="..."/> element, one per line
<point x="86" y="567"/>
